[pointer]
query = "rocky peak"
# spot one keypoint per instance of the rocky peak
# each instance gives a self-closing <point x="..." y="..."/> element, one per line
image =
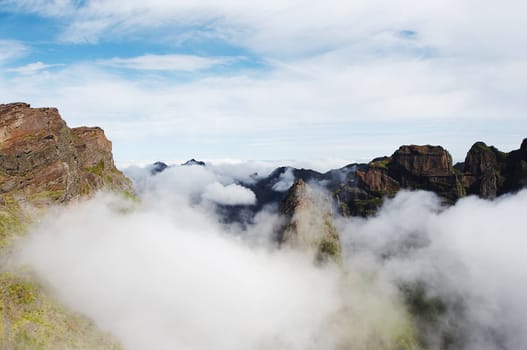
<point x="479" y="158"/>
<point x="310" y="222"/>
<point x="194" y="162"/>
<point x="42" y="160"/>
<point x="158" y="167"/>
<point x="423" y="160"/>
<point x="488" y="172"/>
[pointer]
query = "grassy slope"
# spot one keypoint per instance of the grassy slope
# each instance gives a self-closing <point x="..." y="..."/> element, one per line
<point x="29" y="317"/>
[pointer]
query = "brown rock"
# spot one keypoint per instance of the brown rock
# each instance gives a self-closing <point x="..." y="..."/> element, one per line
<point x="479" y="158"/>
<point x="426" y="168"/>
<point x="423" y="160"/>
<point x="377" y="180"/>
<point x="42" y="158"/>
<point x="481" y="163"/>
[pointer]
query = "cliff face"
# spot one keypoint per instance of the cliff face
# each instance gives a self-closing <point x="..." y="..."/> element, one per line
<point x="422" y="161"/>
<point x="42" y="160"/>
<point x="359" y="189"/>
<point x="410" y="167"/>
<point x="489" y="172"/>
<point x="426" y="168"/>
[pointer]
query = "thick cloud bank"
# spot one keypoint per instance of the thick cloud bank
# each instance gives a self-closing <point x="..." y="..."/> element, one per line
<point x="163" y="273"/>
<point x="470" y="256"/>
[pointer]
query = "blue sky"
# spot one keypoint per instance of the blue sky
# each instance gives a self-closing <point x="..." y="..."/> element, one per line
<point x="343" y="81"/>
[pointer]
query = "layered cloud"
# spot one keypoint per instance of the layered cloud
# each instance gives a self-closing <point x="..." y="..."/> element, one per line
<point x="32" y="68"/>
<point x="324" y="77"/>
<point x="167" y="62"/>
<point x="11" y="50"/>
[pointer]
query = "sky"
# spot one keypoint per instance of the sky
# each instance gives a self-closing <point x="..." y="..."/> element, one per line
<point x="338" y="81"/>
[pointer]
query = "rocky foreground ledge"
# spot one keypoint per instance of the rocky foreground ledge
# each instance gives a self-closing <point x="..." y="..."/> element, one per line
<point x="42" y="160"/>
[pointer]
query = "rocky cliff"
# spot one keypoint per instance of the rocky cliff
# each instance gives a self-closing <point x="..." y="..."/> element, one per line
<point x="489" y="172"/>
<point x="42" y="160"/>
<point x="359" y="189"/>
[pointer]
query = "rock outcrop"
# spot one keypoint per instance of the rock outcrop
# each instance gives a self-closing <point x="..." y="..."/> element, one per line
<point x="489" y="172"/>
<point x="410" y="167"/>
<point x="422" y="161"/>
<point x="309" y="226"/>
<point x="426" y="168"/>
<point x="42" y="160"/>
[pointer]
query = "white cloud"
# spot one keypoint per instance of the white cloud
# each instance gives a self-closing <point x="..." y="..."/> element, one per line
<point x="470" y="255"/>
<point x="55" y="8"/>
<point x="163" y="273"/>
<point x="232" y="194"/>
<point x="332" y="65"/>
<point x="11" y="50"/>
<point x="285" y="181"/>
<point x="312" y="110"/>
<point x="167" y="62"/>
<point x="291" y="27"/>
<point x="167" y="275"/>
<point x="32" y="68"/>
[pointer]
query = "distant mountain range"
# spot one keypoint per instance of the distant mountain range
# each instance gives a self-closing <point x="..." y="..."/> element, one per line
<point x="358" y="189"/>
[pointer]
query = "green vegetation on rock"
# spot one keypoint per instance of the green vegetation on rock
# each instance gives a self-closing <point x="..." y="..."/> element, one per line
<point x="13" y="221"/>
<point x="380" y="163"/>
<point x="329" y="248"/>
<point x="31" y="319"/>
<point x="97" y="169"/>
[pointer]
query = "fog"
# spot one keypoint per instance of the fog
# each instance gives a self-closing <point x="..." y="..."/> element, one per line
<point x="164" y="272"/>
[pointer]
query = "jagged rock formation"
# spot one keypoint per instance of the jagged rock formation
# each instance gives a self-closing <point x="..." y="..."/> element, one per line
<point x="310" y="222"/>
<point x="489" y="172"/>
<point x="410" y="167"/>
<point x="43" y="160"/>
<point x="359" y="189"/>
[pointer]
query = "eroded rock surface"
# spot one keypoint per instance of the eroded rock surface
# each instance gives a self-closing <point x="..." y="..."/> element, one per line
<point x="42" y="160"/>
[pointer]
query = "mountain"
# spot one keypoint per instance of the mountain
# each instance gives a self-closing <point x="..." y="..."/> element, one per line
<point x="359" y="189"/>
<point x="194" y="162"/>
<point x="489" y="172"/>
<point x="309" y="222"/>
<point x="44" y="162"/>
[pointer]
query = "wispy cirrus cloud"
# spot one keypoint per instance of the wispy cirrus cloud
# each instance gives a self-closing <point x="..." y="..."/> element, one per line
<point x="168" y="62"/>
<point x="291" y="28"/>
<point x="11" y="50"/>
<point x="54" y="8"/>
<point x="32" y="68"/>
